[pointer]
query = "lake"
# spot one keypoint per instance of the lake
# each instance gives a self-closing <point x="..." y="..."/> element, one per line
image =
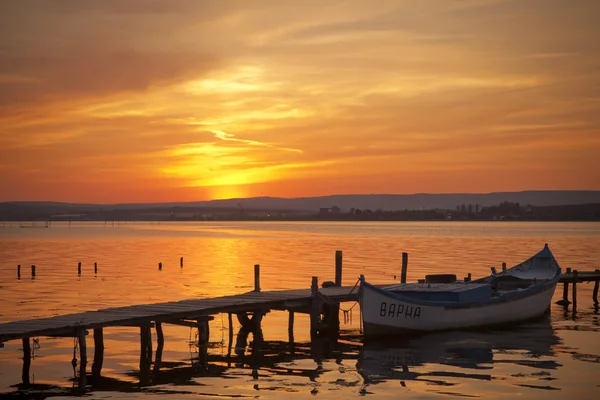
<point x="555" y="357"/>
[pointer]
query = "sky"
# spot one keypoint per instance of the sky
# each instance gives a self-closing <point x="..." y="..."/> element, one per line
<point x="113" y="101"/>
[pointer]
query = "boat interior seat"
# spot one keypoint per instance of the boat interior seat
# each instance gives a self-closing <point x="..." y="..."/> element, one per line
<point x="509" y="282"/>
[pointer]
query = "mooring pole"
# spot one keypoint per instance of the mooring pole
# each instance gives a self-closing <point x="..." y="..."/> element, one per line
<point x="256" y="278"/>
<point x="595" y="293"/>
<point x="98" y="352"/>
<point x="338" y="267"/>
<point x="19" y="271"/>
<point x="404" y="267"/>
<point x="95" y="268"/>
<point x="181" y="262"/>
<point x="26" y="361"/>
<point x="79" y="268"/>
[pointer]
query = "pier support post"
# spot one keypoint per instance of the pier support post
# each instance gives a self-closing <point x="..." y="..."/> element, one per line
<point x="291" y="327"/>
<point x="145" y="354"/>
<point x="160" y="344"/>
<point x="230" y="334"/>
<point x="256" y="278"/>
<point x="82" y="357"/>
<point x="26" y="361"/>
<point x="574" y="295"/>
<point x="595" y="293"/>
<point x="203" y="337"/>
<point x="404" y="268"/>
<point x="98" y="352"/>
<point x="565" y="299"/>
<point x="315" y="308"/>
<point x="338" y="267"/>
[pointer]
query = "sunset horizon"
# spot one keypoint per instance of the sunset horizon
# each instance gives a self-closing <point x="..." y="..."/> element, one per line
<point x="126" y="102"/>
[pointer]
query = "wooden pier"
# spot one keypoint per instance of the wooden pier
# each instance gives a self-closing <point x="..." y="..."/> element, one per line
<point x="322" y="304"/>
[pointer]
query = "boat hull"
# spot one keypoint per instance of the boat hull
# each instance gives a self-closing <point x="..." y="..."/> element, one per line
<point x="385" y="315"/>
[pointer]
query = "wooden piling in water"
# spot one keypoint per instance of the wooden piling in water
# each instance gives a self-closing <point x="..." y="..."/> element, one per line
<point x="338" y="267"/>
<point x="98" y="352"/>
<point x="26" y="360"/>
<point x="181" y="262"/>
<point x="404" y="268"/>
<point x="160" y="344"/>
<point x="160" y="266"/>
<point x="82" y="357"/>
<point x="79" y="268"/>
<point x="595" y="293"/>
<point x="95" y="268"/>
<point x="19" y="271"/>
<point x="33" y="271"/>
<point x="503" y="267"/>
<point x="574" y="295"/>
<point x="257" y="278"/>
<point x="291" y="326"/>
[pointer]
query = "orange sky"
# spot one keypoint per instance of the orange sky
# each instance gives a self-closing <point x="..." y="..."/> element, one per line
<point x="147" y="101"/>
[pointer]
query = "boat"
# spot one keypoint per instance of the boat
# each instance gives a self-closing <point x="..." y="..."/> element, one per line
<point x="516" y="294"/>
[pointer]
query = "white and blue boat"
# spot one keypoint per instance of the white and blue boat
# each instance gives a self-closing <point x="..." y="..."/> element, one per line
<point x="520" y="293"/>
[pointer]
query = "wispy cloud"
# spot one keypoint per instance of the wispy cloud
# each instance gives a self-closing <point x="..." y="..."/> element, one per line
<point x="315" y="96"/>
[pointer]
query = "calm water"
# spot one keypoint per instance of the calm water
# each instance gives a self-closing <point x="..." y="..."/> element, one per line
<point x="554" y="358"/>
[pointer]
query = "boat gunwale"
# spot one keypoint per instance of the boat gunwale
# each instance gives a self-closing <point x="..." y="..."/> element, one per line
<point x="512" y="295"/>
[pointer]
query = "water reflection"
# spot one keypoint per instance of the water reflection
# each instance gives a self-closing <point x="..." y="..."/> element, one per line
<point x="442" y="358"/>
<point x="439" y="360"/>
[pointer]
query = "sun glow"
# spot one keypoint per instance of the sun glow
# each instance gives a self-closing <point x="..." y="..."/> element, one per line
<point x="228" y="192"/>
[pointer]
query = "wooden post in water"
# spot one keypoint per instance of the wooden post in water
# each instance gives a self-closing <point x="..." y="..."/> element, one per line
<point x="291" y="327"/>
<point x="19" y="271"/>
<point x="404" y="267"/>
<point x="315" y="307"/>
<point x="79" y="268"/>
<point x="257" y="278"/>
<point x="203" y="338"/>
<point x="503" y="267"/>
<point x="160" y="266"/>
<point x="98" y="352"/>
<point x="595" y="293"/>
<point x="160" y="344"/>
<point x="33" y="271"/>
<point x="26" y="361"/>
<point x="181" y="262"/>
<point x="574" y="295"/>
<point x="95" y="268"/>
<point x="338" y="268"/>
<point x="82" y="357"/>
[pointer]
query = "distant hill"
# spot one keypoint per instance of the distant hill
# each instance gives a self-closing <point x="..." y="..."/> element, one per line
<point x="308" y="205"/>
<point x="412" y="201"/>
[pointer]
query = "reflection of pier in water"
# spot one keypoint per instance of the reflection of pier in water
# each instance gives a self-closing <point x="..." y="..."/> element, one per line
<point x="272" y="357"/>
<point x="473" y="353"/>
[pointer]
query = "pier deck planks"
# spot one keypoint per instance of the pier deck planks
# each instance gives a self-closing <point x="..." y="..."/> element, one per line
<point x="144" y="313"/>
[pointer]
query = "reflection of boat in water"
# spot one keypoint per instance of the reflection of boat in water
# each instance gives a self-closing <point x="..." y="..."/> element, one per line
<point x="517" y="294"/>
<point x="474" y="352"/>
